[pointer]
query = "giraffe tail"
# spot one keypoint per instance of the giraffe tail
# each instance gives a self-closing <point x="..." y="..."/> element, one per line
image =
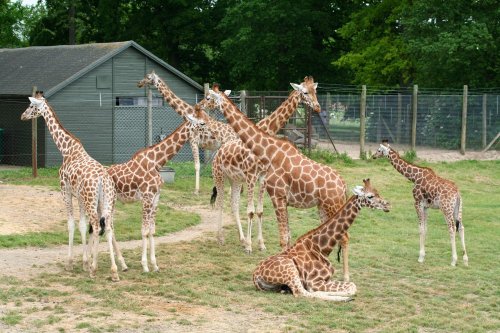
<point x="214" y="196"/>
<point x="457" y="213"/>
<point x="339" y="252"/>
<point x="102" y="223"/>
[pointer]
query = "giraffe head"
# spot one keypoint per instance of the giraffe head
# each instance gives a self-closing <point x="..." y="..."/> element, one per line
<point x="307" y="90"/>
<point x="213" y="100"/>
<point x="149" y="79"/>
<point x="383" y="150"/>
<point x="369" y="197"/>
<point x="36" y="107"/>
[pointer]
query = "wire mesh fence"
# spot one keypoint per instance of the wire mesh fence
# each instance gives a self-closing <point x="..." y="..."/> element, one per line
<point x="388" y="116"/>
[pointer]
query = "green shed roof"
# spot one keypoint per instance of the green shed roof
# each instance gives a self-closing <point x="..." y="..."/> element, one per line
<point x="51" y="68"/>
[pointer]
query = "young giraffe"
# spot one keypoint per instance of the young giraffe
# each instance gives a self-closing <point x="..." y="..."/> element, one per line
<point x="304" y="268"/>
<point x="236" y="162"/>
<point x="140" y="179"/>
<point x="291" y="179"/>
<point x="197" y="138"/>
<point x="86" y="179"/>
<point x="430" y="191"/>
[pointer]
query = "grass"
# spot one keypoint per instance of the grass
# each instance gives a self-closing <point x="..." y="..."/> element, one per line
<point x="395" y="292"/>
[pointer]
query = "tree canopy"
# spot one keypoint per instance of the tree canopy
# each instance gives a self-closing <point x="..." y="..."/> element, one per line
<point x="263" y="45"/>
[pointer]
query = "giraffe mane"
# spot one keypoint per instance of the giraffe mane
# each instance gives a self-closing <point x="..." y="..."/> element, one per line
<point x="58" y="122"/>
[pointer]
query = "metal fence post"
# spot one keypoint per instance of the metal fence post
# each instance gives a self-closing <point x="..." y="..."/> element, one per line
<point x="398" y="119"/>
<point x="463" y="136"/>
<point x="485" y="118"/>
<point x="34" y="141"/>
<point x="243" y="102"/>
<point x="414" y="106"/>
<point x="150" y="115"/>
<point x="362" y="119"/>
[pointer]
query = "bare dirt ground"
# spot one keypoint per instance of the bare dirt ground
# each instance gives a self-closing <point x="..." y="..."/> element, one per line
<point x="31" y="208"/>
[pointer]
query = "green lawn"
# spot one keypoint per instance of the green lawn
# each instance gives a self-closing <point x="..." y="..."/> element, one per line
<point x="395" y="292"/>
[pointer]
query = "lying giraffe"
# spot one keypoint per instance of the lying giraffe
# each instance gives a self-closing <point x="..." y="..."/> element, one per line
<point x="236" y="162"/>
<point x="304" y="268"/>
<point x="86" y="179"/>
<point x="430" y="191"/>
<point x="292" y="179"/>
<point x="197" y="138"/>
<point x="140" y="179"/>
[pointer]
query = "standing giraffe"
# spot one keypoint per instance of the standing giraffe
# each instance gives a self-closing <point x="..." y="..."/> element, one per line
<point x="304" y="268"/>
<point x="292" y="179"/>
<point x="140" y="179"/>
<point x="430" y="191"/>
<point x="86" y="179"/>
<point x="197" y="138"/>
<point x="236" y="162"/>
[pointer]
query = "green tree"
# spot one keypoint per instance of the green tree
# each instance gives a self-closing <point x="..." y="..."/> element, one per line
<point x="13" y="17"/>
<point x="454" y="42"/>
<point x="378" y="53"/>
<point x="265" y="45"/>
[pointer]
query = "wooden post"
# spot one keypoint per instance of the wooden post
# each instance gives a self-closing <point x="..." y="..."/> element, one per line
<point x="150" y="115"/>
<point x="243" y="102"/>
<point x="206" y="87"/>
<point x="34" y="141"/>
<point x="398" y="118"/>
<point x="485" y="118"/>
<point x="463" y="136"/>
<point x="362" y="119"/>
<point x="414" y="118"/>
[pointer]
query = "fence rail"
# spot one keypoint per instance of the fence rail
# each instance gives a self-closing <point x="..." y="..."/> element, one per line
<point x="410" y="118"/>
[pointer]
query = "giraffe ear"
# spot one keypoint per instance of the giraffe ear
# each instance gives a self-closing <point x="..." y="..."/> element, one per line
<point x="358" y="190"/>
<point x="227" y="92"/>
<point x="316" y="85"/>
<point x="296" y="86"/>
<point x="35" y="101"/>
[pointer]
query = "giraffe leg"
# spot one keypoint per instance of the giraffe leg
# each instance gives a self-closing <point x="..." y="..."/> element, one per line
<point x="219" y="201"/>
<point x="83" y="234"/>
<point x="196" y="159"/>
<point x="250" y="213"/>
<point x="461" y="229"/>
<point x="451" y="229"/>
<point x="94" y="242"/>
<point x="280" y="208"/>
<point x="67" y="198"/>
<point x="344" y="244"/>
<point x="147" y="207"/>
<point x="260" y="212"/>
<point x="110" y="236"/>
<point x="152" y="230"/>
<point x="235" y="208"/>
<point x="339" y="290"/>
<point x="422" y="218"/>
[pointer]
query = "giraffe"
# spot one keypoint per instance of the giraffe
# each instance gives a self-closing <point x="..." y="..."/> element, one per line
<point x="236" y="162"/>
<point x="197" y="138"/>
<point x="86" y="179"/>
<point x="292" y="179"/>
<point x="430" y="191"/>
<point x="139" y="179"/>
<point x="304" y="268"/>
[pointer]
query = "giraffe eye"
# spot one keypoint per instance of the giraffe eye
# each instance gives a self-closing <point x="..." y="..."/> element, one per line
<point x="370" y="196"/>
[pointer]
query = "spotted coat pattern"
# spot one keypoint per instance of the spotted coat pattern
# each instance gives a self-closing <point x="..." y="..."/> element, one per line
<point x="239" y="165"/>
<point x="292" y="179"/>
<point x="198" y="137"/>
<point x="304" y="268"/>
<point x="83" y="177"/>
<point x="140" y="179"/>
<point x="430" y="191"/>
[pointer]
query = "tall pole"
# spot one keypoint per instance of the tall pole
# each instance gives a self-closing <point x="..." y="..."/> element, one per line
<point x="150" y="115"/>
<point x="485" y="118"/>
<point x="414" y="106"/>
<point x="34" y="141"/>
<point x="463" y="136"/>
<point x="362" y="119"/>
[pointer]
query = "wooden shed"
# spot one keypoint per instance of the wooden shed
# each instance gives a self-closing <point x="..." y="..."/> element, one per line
<point x="93" y="89"/>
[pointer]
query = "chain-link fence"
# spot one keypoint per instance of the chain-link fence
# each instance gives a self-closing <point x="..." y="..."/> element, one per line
<point x="436" y="122"/>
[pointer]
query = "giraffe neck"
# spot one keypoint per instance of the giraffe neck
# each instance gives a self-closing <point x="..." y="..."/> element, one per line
<point x="64" y="140"/>
<point x="407" y="169"/>
<point x="180" y="106"/>
<point x="166" y="149"/>
<point x="249" y="133"/>
<point x="324" y="236"/>
<point x="276" y="120"/>
<point x="222" y="132"/>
